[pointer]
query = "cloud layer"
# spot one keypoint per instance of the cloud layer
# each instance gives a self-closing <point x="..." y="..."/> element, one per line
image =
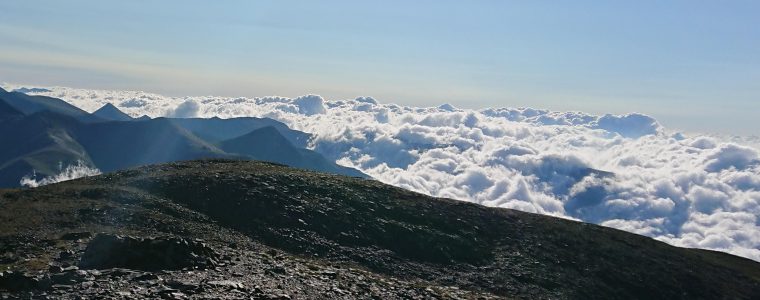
<point x="625" y="172"/>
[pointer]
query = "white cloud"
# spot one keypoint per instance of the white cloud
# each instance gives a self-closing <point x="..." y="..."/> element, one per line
<point x="310" y="104"/>
<point x="693" y="191"/>
<point x="731" y="156"/>
<point x="630" y="125"/>
<point x="187" y="109"/>
<point x="71" y="172"/>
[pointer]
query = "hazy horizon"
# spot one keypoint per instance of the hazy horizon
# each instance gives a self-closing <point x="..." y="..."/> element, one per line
<point x="692" y="66"/>
<point x="751" y="138"/>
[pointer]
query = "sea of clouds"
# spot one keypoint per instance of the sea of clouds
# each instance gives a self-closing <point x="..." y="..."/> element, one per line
<point x="621" y="171"/>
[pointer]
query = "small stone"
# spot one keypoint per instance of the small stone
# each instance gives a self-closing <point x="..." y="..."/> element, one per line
<point x="227" y="284"/>
<point x="117" y="272"/>
<point x="172" y="295"/>
<point x="181" y="285"/>
<point x="66" y="254"/>
<point x="277" y="270"/>
<point x="70" y="269"/>
<point x="330" y="274"/>
<point x="166" y="290"/>
<point x="55" y="269"/>
<point x="257" y="290"/>
<point x="70" y="277"/>
<point x="147" y="277"/>
<point x="76" y="236"/>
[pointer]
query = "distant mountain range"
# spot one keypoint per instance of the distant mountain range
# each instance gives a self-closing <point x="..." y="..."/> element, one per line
<point x="41" y="134"/>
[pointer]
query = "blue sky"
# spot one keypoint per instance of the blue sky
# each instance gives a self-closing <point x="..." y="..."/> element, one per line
<point x="695" y="65"/>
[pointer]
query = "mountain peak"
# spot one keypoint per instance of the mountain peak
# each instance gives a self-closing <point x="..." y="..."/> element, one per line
<point x="30" y="104"/>
<point x="110" y="112"/>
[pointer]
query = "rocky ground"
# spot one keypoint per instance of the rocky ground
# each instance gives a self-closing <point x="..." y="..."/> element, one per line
<point x="248" y="230"/>
<point x="230" y="273"/>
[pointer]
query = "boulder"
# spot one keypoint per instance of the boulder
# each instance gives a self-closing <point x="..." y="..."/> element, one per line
<point x="113" y="251"/>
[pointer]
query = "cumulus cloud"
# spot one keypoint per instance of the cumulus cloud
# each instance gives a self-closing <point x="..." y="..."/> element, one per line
<point x="622" y="171"/>
<point x="187" y="109"/>
<point x="731" y="156"/>
<point x="134" y="102"/>
<point x="71" y="172"/>
<point x="310" y="104"/>
<point x="630" y="125"/>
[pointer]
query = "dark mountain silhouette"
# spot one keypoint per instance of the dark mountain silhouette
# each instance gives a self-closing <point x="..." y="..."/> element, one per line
<point x="42" y="137"/>
<point x="216" y="229"/>
<point x="31" y="104"/>
<point x="45" y="140"/>
<point x="27" y="90"/>
<point x="110" y="112"/>
<point x="217" y="129"/>
<point x="119" y="145"/>
<point x="268" y="144"/>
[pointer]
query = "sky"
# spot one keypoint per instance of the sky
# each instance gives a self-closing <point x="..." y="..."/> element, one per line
<point x="693" y="65"/>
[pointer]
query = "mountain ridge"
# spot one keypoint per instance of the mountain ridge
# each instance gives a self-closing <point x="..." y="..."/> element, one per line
<point x="45" y="134"/>
<point x="28" y="104"/>
<point x="279" y="149"/>
<point x="283" y="229"/>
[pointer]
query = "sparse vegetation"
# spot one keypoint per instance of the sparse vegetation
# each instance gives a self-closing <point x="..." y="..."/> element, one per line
<point x="295" y="232"/>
